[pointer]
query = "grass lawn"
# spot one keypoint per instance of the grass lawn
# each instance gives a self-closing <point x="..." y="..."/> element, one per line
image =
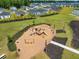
<point x="9" y="29"/>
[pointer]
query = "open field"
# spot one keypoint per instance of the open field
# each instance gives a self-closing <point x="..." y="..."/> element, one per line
<point x="9" y="29"/>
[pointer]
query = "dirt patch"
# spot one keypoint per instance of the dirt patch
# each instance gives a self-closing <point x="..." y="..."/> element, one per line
<point x="34" y="40"/>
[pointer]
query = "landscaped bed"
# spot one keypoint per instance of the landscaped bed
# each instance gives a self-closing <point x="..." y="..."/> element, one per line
<point x="75" y="27"/>
<point x="53" y="51"/>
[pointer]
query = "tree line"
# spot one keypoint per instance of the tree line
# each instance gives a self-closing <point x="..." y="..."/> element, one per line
<point x="9" y="3"/>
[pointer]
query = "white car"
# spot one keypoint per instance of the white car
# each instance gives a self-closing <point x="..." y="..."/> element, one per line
<point x="3" y="56"/>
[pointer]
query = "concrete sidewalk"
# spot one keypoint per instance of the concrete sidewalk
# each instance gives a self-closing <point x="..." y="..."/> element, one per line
<point x="65" y="47"/>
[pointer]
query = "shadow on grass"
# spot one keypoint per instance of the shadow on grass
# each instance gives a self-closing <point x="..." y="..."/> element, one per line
<point x="11" y="40"/>
<point x="60" y="31"/>
<point x="53" y="51"/>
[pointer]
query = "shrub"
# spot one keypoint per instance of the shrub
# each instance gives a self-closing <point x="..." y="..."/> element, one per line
<point x="11" y="44"/>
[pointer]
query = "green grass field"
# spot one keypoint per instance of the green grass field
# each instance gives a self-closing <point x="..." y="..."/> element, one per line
<point x="9" y="29"/>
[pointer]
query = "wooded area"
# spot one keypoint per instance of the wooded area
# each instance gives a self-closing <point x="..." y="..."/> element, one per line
<point x="9" y="3"/>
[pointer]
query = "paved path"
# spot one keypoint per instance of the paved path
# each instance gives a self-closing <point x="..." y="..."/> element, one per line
<point x="65" y="47"/>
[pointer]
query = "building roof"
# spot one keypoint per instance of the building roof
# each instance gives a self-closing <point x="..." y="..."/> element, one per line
<point x="13" y="8"/>
<point x="1" y="9"/>
<point x="34" y="4"/>
<point x="24" y="7"/>
<point x="54" y="0"/>
<point x="75" y="12"/>
<point x="4" y="13"/>
<point x="20" y="13"/>
<point x="37" y="11"/>
<point x="55" y="8"/>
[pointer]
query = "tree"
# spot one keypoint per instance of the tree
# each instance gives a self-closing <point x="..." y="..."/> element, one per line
<point x="11" y="44"/>
<point x="50" y="11"/>
<point x="66" y="10"/>
<point x="9" y="3"/>
<point x="13" y="16"/>
<point x="31" y="15"/>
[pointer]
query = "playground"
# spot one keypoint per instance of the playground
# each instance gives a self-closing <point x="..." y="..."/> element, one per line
<point x="10" y="29"/>
<point x="34" y="40"/>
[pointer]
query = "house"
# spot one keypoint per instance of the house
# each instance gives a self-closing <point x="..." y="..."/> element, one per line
<point x="45" y="4"/>
<point x="1" y="10"/>
<point x="75" y="12"/>
<point x="55" y="8"/>
<point x="47" y="8"/>
<point x="25" y="8"/>
<point x="38" y="11"/>
<point x="4" y="15"/>
<point x="13" y="8"/>
<point x="34" y="6"/>
<point x="67" y="3"/>
<point x="20" y="13"/>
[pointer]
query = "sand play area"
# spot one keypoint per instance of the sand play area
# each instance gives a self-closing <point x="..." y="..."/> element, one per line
<point x="34" y="40"/>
